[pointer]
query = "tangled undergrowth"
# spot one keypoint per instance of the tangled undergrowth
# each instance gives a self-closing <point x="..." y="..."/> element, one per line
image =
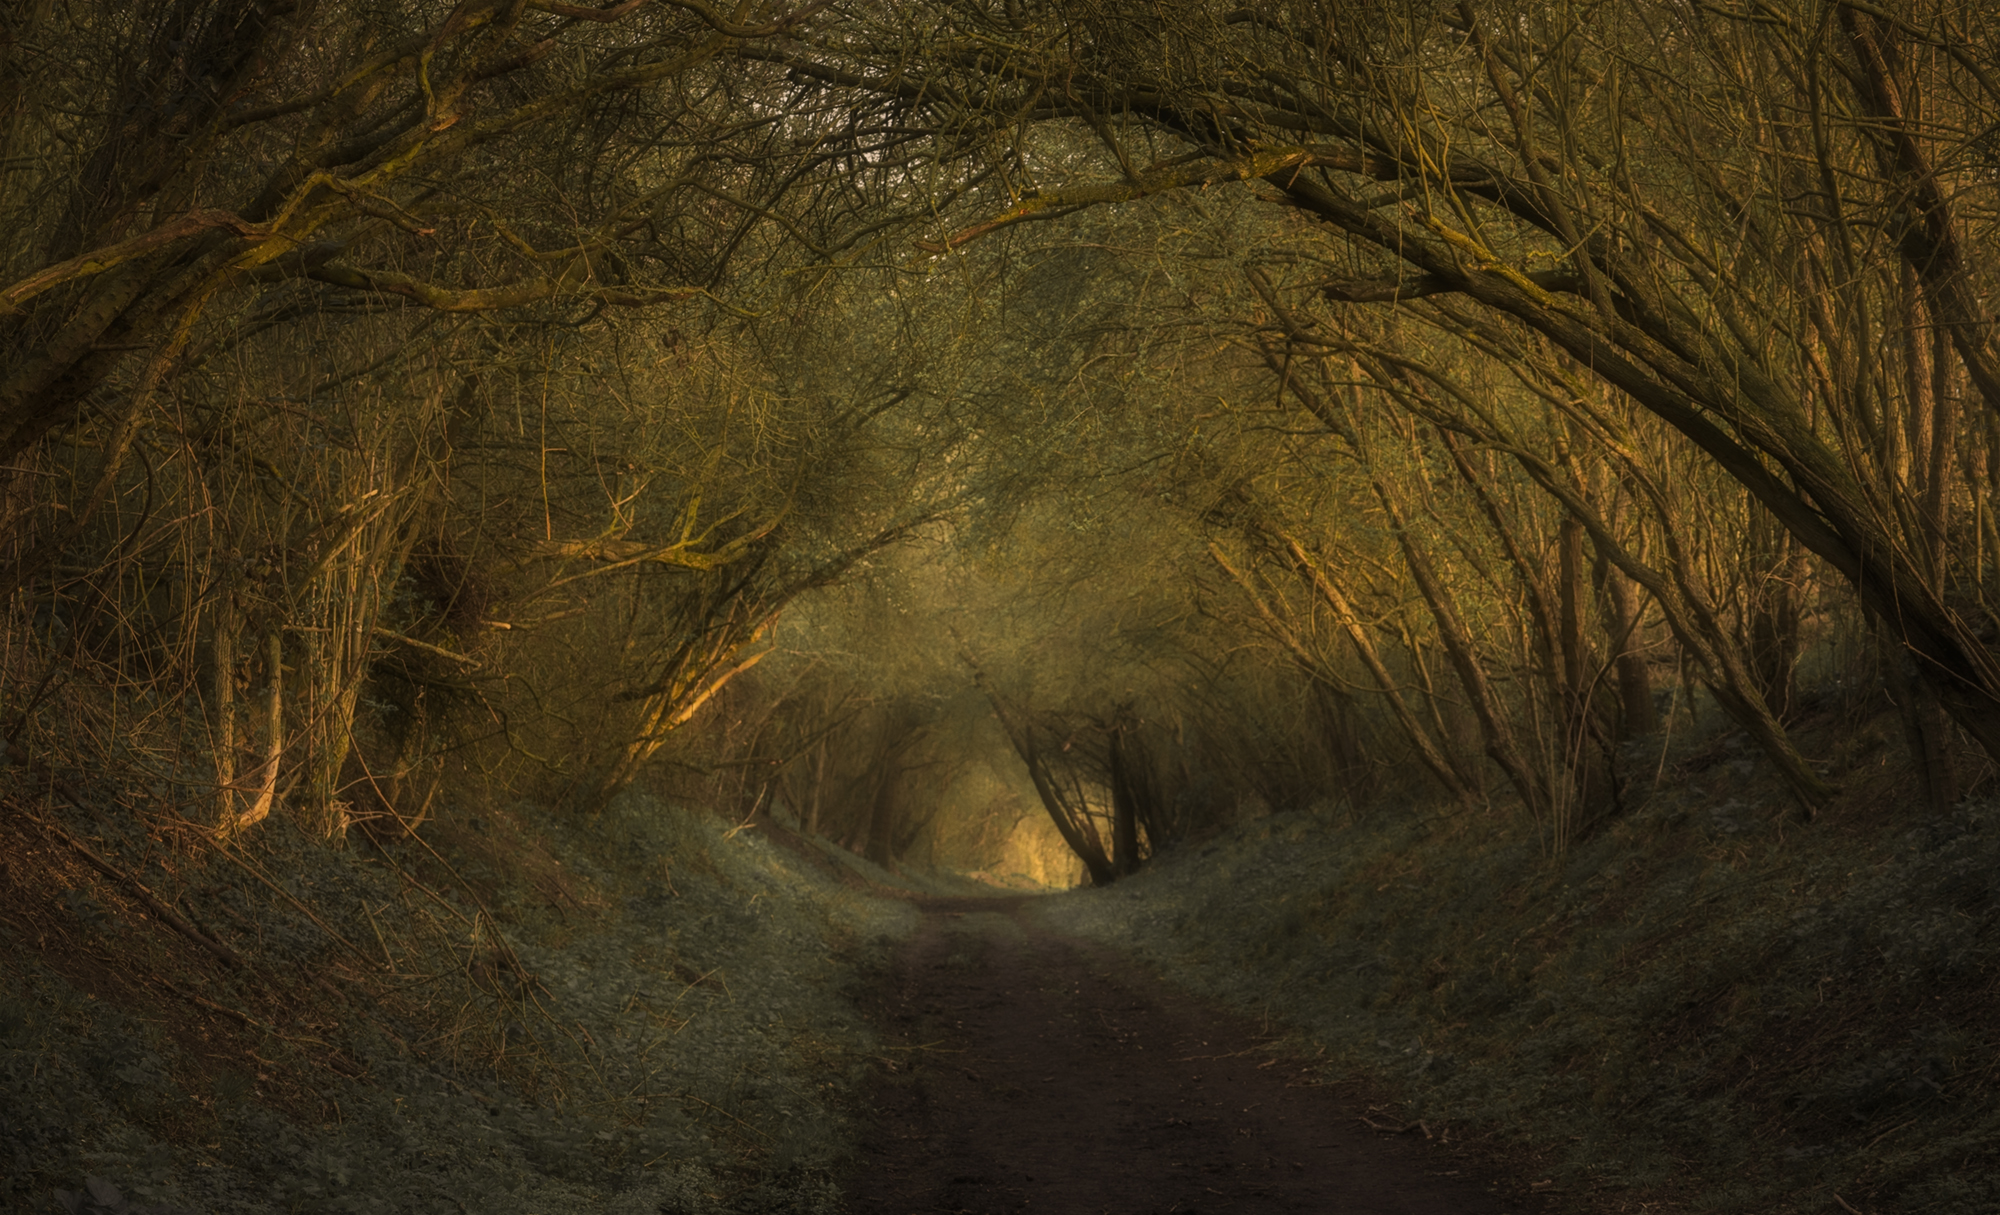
<point x="1699" y="1004"/>
<point x="507" y="1011"/>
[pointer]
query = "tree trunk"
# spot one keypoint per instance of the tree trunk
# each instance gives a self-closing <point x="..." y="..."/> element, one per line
<point x="1428" y="749"/>
<point x="878" y="846"/>
<point x="1772" y="633"/>
<point x="1569" y="614"/>
<point x="1638" y="716"/>
<point x="1926" y="730"/>
<point x="818" y="790"/>
<point x="1069" y="820"/>
<point x="1690" y="618"/>
<point x="224" y="684"/>
<point x="1464" y="656"/>
<point x="1124" y="809"/>
<point x="274" y="732"/>
<point x="1081" y="837"/>
<point x="1532" y="582"/>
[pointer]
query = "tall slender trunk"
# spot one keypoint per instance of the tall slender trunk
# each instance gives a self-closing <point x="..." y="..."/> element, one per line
<point x="1638" y="716"/>
<point x="274" y="732"/>
<point x="223" y="683"/>
<point x="1570" y="612"/>
<point x="1689" y="617"/>
<point x="1527" y="572"/>
<point x="881" y="819"/>
<point x="1456" y="637"/>
<point x="1926" y="730"/>
<point x="1772" y="634"/>
<point x="818" y="790"/>
<point x="1124" y="809"/>
<point x="1428" y="749"/>
<point x="1944" y="441"/>
<point x="1069" y="819"/>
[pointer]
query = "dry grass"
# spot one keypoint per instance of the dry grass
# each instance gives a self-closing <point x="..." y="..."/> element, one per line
<point x="502" y="1011"/>
<point x="1699" y="1004"/>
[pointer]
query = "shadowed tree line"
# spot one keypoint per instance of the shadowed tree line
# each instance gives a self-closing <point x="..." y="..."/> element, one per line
<point x="424" y="378"/>
<point x="1601" y="346"/>
<point x="398" y="391"/>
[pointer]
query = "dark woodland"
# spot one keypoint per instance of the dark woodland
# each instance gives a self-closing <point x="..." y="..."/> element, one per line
<point x="999" y="605"/>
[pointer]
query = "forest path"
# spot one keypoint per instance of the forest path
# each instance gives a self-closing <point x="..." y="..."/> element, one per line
<point x="1027" y="1071"/>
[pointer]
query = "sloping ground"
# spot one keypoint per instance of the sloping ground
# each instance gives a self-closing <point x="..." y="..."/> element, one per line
<point x="1698" y="1005"/>
<point x="510" y="1011"/>
<point x="643" y="1013"/>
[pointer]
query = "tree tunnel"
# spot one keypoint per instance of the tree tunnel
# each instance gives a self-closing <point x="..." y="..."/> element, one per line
<point x="510" y="508"/>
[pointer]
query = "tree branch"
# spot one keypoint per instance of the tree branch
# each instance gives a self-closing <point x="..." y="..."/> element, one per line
<point x="512" y="295"/>
<point x="1390" y="291"/>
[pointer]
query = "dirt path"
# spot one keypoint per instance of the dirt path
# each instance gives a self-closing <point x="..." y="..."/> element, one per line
<point x="1035" y="1073"/>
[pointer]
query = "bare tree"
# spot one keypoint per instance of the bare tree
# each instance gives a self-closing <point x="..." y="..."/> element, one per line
<point x="1616" y="182"/>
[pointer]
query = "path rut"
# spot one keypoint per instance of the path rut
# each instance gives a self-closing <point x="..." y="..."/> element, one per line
<point x="1026" y="1071"/>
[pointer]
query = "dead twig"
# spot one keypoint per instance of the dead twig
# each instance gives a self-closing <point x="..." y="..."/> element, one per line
<point x="165" y="914"/>
<point x="257" y="872"/>
<point x="1385" y="1128"/>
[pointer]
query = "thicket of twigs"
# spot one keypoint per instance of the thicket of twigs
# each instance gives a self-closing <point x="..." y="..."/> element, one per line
<point x="383" y="383"/>
<point x="1569" y="372"/>
<point x="406" y="407"/>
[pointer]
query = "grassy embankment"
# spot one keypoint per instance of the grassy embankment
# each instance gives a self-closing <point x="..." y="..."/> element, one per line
<point x="1700" y="1003"/>
<point x="643" y="1013"/>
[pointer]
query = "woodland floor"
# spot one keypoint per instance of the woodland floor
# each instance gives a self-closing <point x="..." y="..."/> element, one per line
<point x="1032" y="1072"/>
